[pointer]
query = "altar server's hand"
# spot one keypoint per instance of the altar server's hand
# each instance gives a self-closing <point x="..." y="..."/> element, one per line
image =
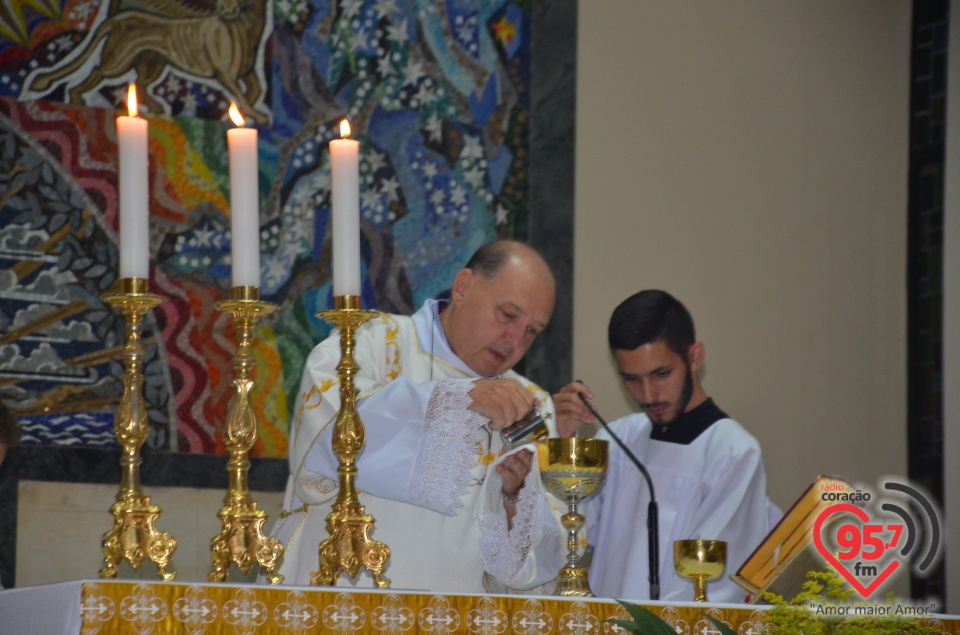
<point x="502" y="401"/>
<point x="571" y="413"/>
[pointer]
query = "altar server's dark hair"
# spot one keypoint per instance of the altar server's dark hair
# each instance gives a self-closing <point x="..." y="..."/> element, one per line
<point x="650" y="316"/>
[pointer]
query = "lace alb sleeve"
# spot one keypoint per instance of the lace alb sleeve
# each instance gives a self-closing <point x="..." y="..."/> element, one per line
<point x="504" y="551"/>
<point x="448" y="448"/>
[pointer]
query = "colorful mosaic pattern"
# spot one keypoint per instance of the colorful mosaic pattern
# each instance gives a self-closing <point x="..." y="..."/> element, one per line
<point x="436" y="92"/>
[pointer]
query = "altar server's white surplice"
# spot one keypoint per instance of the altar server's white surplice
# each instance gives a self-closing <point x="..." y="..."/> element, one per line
<point x="421" y="471"/>
<point x="710" y="483"/>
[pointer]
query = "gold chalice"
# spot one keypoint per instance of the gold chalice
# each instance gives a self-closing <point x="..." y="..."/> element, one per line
<point x="700" y="560"/>
<point x="572" y="470"/>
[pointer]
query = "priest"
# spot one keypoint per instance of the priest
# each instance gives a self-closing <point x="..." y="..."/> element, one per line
<point x="707" y="470"/>
<point x="434" y="390"/>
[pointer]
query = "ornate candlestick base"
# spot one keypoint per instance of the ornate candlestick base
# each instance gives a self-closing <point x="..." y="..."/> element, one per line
<point x="349" y="545"/>
<point x="134" y="535"/>
<point x="242" y="540"/>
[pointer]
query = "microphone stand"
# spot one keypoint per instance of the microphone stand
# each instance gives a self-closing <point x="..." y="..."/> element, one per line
<point x="653" y="514"/>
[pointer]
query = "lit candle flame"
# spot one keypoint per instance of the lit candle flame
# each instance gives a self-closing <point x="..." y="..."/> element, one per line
<point x="344" y="129"/>
<point x="132" y="100"/>
<point x="235" y="114"/>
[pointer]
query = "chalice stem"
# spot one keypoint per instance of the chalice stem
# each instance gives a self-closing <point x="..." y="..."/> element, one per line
<point x="573" y="528"/>
<point x="699" y="588"/>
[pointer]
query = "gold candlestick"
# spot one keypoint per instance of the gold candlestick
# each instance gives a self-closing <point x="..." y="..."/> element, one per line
<point x="242" y="540"/>
<point x="349" y="544"/>
<point x="134" y="535"/>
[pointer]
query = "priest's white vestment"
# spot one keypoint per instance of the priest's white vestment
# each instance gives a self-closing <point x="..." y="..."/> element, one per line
<point x="425" y="473"/>
<point x="710" y="484"/>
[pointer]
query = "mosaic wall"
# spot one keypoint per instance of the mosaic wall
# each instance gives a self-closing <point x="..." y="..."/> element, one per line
<point x="437" y="93"/>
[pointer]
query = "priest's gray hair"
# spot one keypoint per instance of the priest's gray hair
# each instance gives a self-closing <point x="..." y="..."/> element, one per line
<point x="490" y="258"/>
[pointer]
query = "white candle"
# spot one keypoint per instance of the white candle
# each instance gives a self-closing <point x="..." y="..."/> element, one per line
<point x="345" y="200"/>
<point x="244" y="203"/>
<point x="134" y="202"/>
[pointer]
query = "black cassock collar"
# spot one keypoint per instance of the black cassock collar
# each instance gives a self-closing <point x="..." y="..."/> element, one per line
<point x="689" y="425"/>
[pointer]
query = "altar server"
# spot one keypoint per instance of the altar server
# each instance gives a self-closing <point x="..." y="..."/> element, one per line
<point x="434" y="389"/>
<point x="707" y="470"/>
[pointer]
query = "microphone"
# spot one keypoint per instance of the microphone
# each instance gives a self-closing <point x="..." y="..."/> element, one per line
<point x="653" y="514"/>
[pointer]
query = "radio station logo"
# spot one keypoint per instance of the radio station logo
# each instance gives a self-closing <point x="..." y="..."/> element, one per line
<point x="867" y="546"/>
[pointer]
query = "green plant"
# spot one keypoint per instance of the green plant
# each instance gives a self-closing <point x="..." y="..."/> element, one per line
<point x="822" y="608"/>
<point x="646" y="622"/>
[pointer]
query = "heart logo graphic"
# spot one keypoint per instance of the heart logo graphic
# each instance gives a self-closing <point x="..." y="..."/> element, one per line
<point x="841" y="569"/>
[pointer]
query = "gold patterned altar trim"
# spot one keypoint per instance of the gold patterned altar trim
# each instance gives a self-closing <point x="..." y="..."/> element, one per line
<point x="164" y="608"/>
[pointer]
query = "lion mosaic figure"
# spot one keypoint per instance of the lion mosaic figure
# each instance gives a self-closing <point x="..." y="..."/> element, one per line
<point x="217" y="43"/>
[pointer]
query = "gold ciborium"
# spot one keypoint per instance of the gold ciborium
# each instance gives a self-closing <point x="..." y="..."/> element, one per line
<point x="700" y="560"/>
<point x="572" y="470"/>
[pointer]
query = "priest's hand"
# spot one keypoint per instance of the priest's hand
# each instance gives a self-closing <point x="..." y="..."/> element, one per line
<point x="513" y="470"/>
<point x="502" y="401"/>
<point x="571" y="413"/>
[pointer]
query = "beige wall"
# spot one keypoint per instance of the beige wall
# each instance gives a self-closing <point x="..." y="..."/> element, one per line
<point x="751" y="158"/>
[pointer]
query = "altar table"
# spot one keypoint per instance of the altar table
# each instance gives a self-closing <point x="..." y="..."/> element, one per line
<point x="114" y="607"/>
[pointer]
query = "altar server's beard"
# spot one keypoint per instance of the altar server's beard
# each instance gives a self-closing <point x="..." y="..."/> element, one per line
<point x="681" y="405"/>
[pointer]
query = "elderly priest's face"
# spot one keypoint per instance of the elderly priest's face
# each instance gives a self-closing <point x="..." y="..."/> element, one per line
<point x="660" y="380"/>
<point x="490" y="324"/>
